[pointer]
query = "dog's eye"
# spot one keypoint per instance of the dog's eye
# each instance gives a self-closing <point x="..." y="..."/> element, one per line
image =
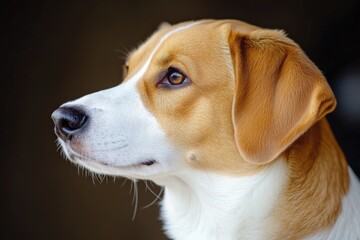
<point x="174" y="78"/>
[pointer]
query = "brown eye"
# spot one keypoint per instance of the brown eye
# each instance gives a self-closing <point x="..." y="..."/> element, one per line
<point x="175" y="78"/>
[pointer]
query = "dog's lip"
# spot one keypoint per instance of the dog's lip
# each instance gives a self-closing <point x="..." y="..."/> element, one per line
<point x="147" y="163"/>
<point x="74" y="156"/>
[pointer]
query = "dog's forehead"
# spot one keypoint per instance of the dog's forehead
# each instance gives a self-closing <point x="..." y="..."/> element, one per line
<point x="185" y="37"/>
<point x="170" y="39"/>
<point x="138" y="56"/>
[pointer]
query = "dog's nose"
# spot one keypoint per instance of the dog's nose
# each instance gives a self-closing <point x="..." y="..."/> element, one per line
<point x="68" y="121"/>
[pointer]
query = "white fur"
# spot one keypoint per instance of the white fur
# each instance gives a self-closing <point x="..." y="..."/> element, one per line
<point x="121" y="135"/>
<point x="347" y="225"/>
<point x="200" y="205"/>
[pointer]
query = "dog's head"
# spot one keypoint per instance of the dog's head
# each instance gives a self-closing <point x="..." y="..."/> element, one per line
<point x="217" y="95"/>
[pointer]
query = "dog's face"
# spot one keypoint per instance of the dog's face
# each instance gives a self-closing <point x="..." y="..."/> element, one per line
<point x="205" y="94"/>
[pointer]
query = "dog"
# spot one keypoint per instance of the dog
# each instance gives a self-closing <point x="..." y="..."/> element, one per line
<point x="230" y="119"/>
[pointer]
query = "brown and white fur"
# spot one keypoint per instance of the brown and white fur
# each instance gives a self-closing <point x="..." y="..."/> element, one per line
<point x="241" y="146"/>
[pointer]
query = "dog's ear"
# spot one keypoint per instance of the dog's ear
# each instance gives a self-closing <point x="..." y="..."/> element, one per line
<point x="279" y="93"/>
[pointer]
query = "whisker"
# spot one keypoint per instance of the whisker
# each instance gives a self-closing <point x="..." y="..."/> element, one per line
<point x="125" y="180"/>
<point x="146" y="185"/>
<point x="157" y="197"/>
<point x="153" y="193"/>
<point x="135" y="199"/>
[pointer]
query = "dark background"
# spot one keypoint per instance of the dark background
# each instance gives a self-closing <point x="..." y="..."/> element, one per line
<point x="55" y="51"/>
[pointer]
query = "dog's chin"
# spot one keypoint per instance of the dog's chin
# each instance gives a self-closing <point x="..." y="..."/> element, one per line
<point x="146" y="169"/>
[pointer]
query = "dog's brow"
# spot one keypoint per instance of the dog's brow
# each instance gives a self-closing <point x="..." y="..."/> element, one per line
<point x="143" y="69"/>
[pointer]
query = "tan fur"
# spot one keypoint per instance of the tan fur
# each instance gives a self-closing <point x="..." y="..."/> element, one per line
<point x="209" y="132"/>
<point x="308" y="204"/>
<point x="294" y="96"/>
<point x="279" y="94"/>
<point x="254" y="96"/>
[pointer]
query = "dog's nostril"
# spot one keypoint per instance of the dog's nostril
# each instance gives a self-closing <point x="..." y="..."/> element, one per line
<point x="68" y="121"/>
<point x="72" y="122"/>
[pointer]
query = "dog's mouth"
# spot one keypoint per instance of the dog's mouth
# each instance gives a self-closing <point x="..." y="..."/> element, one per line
<point x="74" y="156"/>
<point x="77" y="157"/>
<point x="148" y="162"/>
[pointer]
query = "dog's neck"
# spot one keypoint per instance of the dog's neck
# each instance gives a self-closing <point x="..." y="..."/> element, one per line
<point x="318" y="181"/>
<point x="204" y="205"/>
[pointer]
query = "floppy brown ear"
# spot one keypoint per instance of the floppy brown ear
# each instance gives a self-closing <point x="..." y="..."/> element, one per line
<point x="279" y="94"/>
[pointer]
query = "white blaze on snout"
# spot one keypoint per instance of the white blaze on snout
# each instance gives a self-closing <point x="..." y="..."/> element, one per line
<point x="121" y="133"/>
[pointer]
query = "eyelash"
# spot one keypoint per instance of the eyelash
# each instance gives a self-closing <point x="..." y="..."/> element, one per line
<point x="165" y="82"/>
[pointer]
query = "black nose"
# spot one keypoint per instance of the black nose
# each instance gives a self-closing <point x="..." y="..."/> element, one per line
<point x="68" y="121"/>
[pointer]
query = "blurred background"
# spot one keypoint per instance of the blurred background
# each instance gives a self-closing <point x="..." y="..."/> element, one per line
<point x="55" y="51"/>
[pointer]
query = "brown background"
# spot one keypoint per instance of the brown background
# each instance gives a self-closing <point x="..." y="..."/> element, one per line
<point x="54" y="51"/>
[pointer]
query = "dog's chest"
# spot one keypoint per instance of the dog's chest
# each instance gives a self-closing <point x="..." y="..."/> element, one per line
<point x="219" y="207"/>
